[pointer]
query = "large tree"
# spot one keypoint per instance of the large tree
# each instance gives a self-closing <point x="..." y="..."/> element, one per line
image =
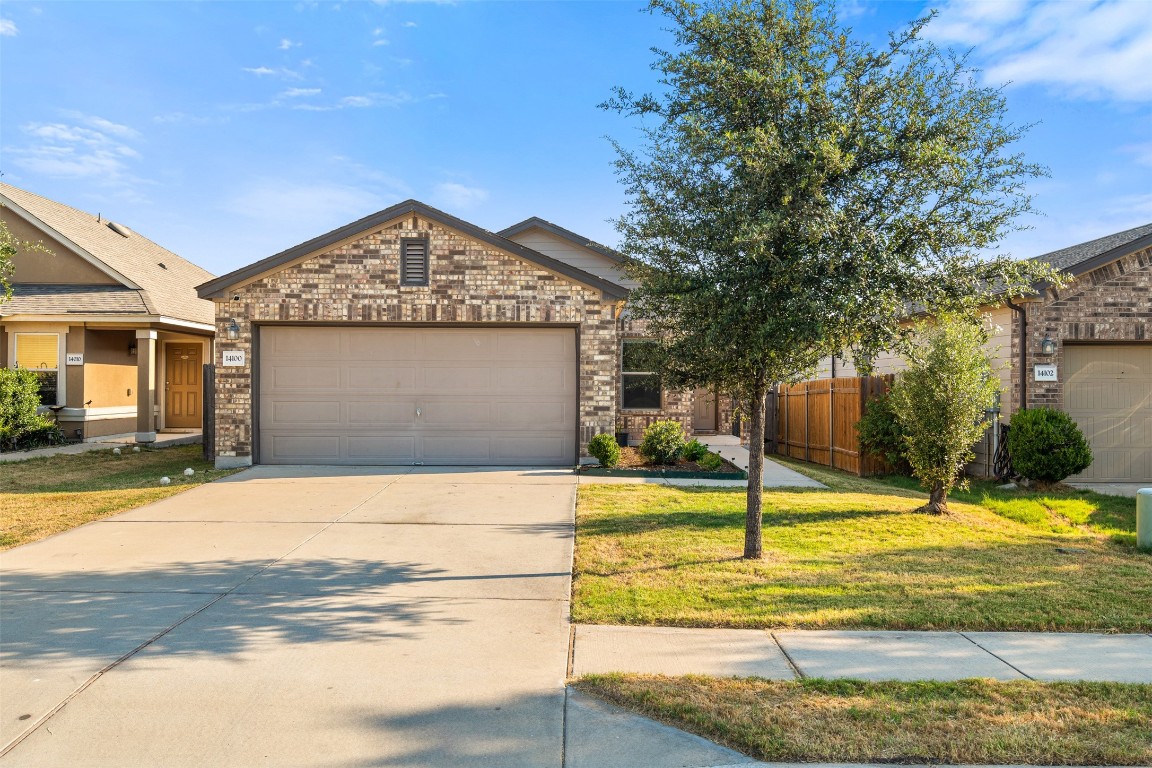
<point x="797" y="191"/>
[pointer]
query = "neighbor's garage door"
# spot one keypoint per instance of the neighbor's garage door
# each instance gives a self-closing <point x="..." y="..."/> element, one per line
<point x="1108" y="392"/>
<point x="332" y="395"/>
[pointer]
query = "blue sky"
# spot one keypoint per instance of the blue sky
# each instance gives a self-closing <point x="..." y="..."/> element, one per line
<point x="228" y="131"/>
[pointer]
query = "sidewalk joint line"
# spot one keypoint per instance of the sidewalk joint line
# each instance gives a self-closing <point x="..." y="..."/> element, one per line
<point x="787" y="657"/>
<point x="993" y="655"/>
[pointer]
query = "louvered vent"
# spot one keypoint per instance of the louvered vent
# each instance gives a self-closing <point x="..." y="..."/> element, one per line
<point x="413" y="262"/>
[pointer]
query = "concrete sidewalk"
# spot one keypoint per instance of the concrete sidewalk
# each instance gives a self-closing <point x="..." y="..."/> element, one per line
<point x="786" y="655"/>
<point x="775" y="475"/>
<point x="163" y="440"/>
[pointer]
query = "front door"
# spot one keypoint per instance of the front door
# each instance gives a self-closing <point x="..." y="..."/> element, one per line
<point x="182" y="386"/>
<point x="703" y="411"/>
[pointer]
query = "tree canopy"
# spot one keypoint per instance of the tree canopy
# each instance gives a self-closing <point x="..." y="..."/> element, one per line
<point x="799" y="192"/>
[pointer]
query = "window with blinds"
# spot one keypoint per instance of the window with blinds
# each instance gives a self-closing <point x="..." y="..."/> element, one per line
<point x="40" y="353"/>
<point x="413" y="261"/>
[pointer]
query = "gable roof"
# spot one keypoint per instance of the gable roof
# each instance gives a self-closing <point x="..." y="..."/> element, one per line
<point x="165" y="282"/>
<point x="1078" y="259"/>
<point x="218" y="288"/>
<point x="535" y="222"/>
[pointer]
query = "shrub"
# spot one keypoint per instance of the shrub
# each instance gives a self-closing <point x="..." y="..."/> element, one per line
<point x="882" y="434"/>
<point x="711" y="462"/>
<point x="663" y="442"/>
<point x="21" y="427"/>
<point x="1046" y="445"/>
<point x="605" y="449"/>
<point x="694" y="450"/>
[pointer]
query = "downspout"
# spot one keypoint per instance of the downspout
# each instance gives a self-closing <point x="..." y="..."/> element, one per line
<point x="1023" y="366"/>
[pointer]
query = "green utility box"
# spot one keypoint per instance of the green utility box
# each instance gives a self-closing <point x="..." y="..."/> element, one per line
<point x="1144" y="518"/>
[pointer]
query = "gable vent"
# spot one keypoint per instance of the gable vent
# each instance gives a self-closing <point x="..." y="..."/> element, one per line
<point x="413" y="261"/>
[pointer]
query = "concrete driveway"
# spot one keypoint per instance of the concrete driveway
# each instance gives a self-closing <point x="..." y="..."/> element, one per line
<point x="298" y="616"/>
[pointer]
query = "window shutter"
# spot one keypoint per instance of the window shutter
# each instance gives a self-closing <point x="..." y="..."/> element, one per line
<point x="413" y="262"/>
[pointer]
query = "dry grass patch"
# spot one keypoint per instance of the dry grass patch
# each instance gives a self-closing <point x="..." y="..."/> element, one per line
<point x="854" y="556"/>
<point x="44" y="496"/>
<point x="966" y="722"/>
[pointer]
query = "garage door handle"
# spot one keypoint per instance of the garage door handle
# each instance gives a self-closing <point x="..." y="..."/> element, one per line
<point x="417" y="413"/>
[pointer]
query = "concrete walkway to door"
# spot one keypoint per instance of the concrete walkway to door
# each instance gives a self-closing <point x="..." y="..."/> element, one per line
<point x="298" y="616"/>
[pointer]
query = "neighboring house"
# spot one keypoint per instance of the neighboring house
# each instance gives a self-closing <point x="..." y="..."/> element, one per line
<point x="109" y="320"/>
<point x="413" y="337"/>
<point x="1085" y="349"/>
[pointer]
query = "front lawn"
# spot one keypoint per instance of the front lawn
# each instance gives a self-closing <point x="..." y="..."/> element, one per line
<point x="856" y="556"/>
<point x="40" y="497"/>
<point x="965" y="722"/>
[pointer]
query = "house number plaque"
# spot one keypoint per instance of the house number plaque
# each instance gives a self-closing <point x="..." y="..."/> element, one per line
<point x="74" y="359"/>
<point x="1045" y="373"/>
<point x="234" y="357"/>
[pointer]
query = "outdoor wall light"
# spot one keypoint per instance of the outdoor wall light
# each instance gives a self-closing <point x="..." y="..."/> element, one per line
<point x="132" y="349"/>
<point x="233" y="331"/>
<point x="1047" y="347"/>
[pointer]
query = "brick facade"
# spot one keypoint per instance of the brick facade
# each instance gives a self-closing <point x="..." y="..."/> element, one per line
<point x="357" y="283"/>
<point x="1109" y="304"/>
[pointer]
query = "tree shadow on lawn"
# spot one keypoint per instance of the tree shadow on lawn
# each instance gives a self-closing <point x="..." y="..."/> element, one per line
<point x="596" y="524"/>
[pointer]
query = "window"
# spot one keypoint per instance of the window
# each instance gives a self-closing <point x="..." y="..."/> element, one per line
<point x="40" y="353"/>
<point x="639" y="384"/>
<point x="413" y="261"/>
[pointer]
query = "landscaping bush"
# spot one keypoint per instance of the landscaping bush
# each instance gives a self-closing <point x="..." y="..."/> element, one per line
<point x="21" y="427"/>
<point x="694" y="450"/>
<point x="605" y="449"/>
<point x="882" y="435"/>
<point x="711" y="462"/>
<point x="663" y="442"/>
<point x="1046" y="446"/>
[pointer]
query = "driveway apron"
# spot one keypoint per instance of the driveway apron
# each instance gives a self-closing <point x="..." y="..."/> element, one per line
<point x="298" y="616"/>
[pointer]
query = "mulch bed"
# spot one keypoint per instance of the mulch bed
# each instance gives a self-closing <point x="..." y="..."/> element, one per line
<point x="631" y="460"/>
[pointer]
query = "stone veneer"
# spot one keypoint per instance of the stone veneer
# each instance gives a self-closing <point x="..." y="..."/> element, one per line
<point x="358" y="284"/>
<point x="1109" y="304"/>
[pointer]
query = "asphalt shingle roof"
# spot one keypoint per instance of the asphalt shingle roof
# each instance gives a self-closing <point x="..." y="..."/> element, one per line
<point x="167" y="281"/>
<point x="29" y="299"/>
<point x="1071" y="257"/>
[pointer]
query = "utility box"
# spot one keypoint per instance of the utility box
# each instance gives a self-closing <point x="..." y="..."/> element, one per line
<point x="1144" y="518"/>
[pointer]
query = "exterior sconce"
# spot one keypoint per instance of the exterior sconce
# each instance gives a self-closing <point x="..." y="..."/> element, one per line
<point x="1048" y="346"/>
<point x="233" y="331"/>
<point x="132" y="349"/>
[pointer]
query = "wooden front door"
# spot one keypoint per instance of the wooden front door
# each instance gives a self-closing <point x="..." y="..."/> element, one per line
<point x="703" y="411"/>
<point x="182" y="385"/>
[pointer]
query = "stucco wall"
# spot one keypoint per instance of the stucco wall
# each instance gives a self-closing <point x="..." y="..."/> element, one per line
<point x="358" y="283"/>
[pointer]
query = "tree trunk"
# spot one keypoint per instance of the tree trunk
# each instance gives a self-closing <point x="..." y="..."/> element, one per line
<point x="937" y="501"/>
<point x="753" y="537"/>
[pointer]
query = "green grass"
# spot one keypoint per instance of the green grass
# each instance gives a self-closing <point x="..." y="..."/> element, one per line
<point x="858" y="556"/>
<point x="44" y="496"/>
<point x="966" y="722"/>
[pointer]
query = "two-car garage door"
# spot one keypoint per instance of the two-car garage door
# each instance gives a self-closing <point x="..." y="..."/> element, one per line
<point x="387" y="395"/>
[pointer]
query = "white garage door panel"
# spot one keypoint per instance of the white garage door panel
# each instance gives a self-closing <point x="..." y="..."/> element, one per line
<point x="1108" y="393"/>
<point x="335" y="395"/>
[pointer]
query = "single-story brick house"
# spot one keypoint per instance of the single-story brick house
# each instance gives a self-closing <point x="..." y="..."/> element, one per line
<point x="1085" y="349"/>
<point x="414" y="337"/>
<point x="108" y="319"/>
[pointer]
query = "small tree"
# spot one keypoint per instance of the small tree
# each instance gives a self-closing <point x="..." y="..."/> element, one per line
<point x="941" y="402"/>
<point x="10" y="245"/>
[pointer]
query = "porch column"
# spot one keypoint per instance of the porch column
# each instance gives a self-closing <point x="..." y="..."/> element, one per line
<point x="145" y="386"/>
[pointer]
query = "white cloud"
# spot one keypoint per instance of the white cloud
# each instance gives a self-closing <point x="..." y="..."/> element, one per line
<point x="457" y="195"/>
<point x="285" y="74"/>
<point x="8" y="28"/>
<point x="1142" y="153"/>
<point x="293" y="93"/>
<point x="381" y="41"/>
<point x="88" y="147"/>
<point x="409" y="24"/>
<point x="1088" y="50"/>
<point x="394" y="100"/>
<point x="378" y="33"/>
<point x="286" y="44"/>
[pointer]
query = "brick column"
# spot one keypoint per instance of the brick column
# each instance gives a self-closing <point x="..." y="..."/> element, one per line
<point x="145" y="386"/>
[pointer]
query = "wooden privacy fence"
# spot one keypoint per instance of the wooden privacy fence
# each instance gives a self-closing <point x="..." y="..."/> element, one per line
<point x="816" y="421"/>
